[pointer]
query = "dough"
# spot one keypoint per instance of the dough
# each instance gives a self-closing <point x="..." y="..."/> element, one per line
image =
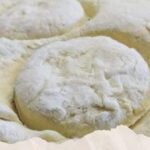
<point x="33" y="19"/>
<point x="10" y="61"/>
<point x="77" y="86"/>
<point x="120" y="138"/>
<point x="81" y="85"/>
<point x="12" y="132"/>
<point x="13" y="54"/>
<point x="127" y="21"/>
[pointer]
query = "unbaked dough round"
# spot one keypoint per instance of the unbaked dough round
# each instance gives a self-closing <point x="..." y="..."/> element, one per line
<point x="81" y="85"/>
<point x="127" y="21"/>
<point x="32" y="19"/>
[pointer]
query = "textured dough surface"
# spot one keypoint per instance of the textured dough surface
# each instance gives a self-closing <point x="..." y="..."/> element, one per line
<point x="12" y="132"/>
<point x="120" y="138"/>
<point x="81" y="85"/>
<point x="32" y="19"/>
<point x="16" y="19"/>
<point x="76" y="93"/>
<point x="126" y="21"/>
<point x="12" y="56"/>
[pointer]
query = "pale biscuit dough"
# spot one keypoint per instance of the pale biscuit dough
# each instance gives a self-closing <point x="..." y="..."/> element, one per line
<point x="81" y="85"/>
<point x="12" y="56"/>
<point x="14" y="53"/>
<point x="129" y="24"/>
<point x="12" y="132"/>
<point x="32" y="19"/>
<point x="127" y="21"/>
<point x="120" y="138"/>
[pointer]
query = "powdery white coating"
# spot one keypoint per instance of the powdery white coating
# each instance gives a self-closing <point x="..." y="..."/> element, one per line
<point x="127" y="21"/>
<point x="12" y="132"/>
<point x="10" y="61"/>
<point x="32" y="19"/>
<point x="13" y="54"/>
<point x="81" y="85"/>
